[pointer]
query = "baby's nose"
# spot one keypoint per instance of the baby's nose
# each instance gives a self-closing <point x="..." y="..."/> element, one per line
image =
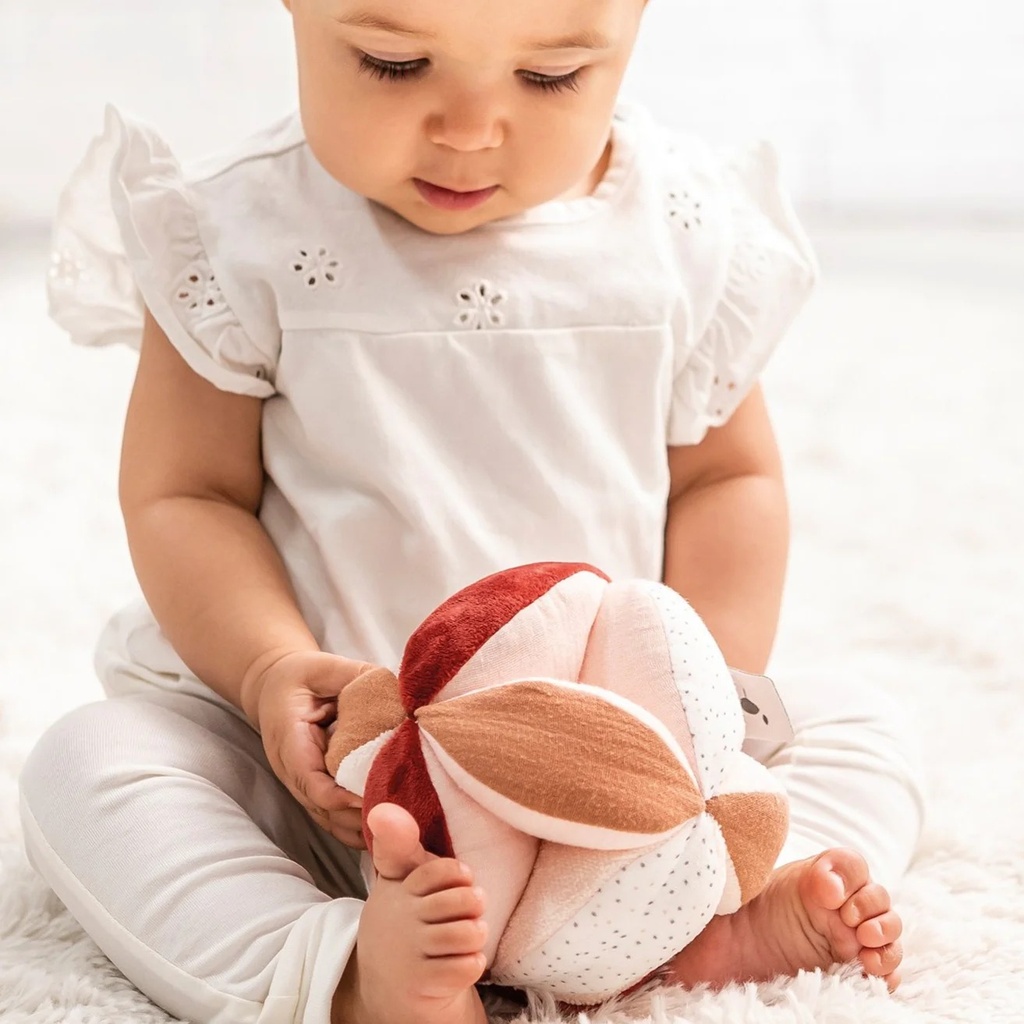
<point x="467" y="123"/>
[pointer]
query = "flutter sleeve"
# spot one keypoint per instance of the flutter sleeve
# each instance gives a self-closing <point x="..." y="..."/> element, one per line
<point x="131" y="233"/>
<point x="759" y="271"/>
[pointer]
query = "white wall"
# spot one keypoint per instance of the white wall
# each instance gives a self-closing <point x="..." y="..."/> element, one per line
<point x="197" y="69"/>
<point x="894" y="105"/>
<point x="916" y="105"/>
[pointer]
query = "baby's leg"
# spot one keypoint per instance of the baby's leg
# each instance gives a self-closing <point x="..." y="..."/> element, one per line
<point x="158" y="822"/>
<point x="854" y="776"/>
<point x="854" y="784"/>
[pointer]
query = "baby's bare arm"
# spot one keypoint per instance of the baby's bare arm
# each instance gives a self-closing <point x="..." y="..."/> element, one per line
<point x="190" y="487"/>
<point x="727" y="537"/>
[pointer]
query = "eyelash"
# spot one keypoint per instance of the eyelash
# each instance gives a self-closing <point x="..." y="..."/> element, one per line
<point x="394" y="71"/>
<point x="390" y="70"/>
<point x="554" y="83"/>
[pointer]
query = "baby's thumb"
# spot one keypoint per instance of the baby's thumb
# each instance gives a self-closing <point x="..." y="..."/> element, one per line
<point x="328" y="674"/>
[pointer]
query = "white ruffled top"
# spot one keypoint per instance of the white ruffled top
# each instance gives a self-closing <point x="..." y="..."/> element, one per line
<point x="438" y="408"/>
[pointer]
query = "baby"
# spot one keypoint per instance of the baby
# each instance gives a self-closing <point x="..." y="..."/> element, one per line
<point x="467" y="311"/>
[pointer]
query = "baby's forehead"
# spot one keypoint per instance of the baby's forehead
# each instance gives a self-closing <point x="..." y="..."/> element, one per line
<point x="524" y="24"/>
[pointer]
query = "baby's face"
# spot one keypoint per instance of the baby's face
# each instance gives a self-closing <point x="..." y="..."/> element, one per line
<point x="509" y="102"/>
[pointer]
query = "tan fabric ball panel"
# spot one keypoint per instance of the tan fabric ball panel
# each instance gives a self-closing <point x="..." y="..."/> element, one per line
<point x="368" y="706"/>
<point x="754" y="826"/>
<point x="567" y="754"/>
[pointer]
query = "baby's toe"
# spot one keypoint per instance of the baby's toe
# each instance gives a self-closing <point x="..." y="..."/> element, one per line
<point x="453" y="905"/>
<point x="833" y="878"/>
<point x="454" y="938"/>
<point x="441" y="976"/>
<point x="883" y="961"/>
<point x="880" y="931"/>
<point x="871" y="900"/>
<point x="893" y="980"/>
<point x="438" y="875"/>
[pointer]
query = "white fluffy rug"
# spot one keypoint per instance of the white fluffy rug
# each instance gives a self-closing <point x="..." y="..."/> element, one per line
<point x="897" y="403"/>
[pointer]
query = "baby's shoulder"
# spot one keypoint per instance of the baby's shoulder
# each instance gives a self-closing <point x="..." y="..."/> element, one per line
<point x="263" y="151"/>
<point x="685" y="187"/>
<point x="721" y="202"/>
<point x="699" y="183"/>
<point x="268" y="185"/>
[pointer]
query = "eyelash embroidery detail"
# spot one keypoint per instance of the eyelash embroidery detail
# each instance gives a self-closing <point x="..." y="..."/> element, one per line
<point x="480" y="306"/>
<point x="316" y="266"/>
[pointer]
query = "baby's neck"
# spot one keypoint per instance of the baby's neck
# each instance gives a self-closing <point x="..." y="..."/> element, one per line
<point x="586" y="185"/>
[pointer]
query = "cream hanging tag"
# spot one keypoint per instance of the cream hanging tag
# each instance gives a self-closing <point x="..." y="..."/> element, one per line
<point x="763" y="710"/>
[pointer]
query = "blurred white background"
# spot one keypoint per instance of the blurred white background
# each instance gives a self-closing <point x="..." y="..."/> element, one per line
<point x="907" y="107"/>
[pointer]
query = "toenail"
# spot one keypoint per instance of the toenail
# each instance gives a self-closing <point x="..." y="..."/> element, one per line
<point x="889" y="957"/>
<point x="840" y="885"/>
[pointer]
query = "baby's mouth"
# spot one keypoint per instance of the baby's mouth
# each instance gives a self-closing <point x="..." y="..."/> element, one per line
<point x="451" y="199"/>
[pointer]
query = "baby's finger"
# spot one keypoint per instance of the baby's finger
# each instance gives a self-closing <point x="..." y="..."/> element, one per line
<point x="316" y="814"/>
<point x="300" y="789"/>
<point x="345" y="826"/>
<point x="346" y="821"/>
<point x="304" y="762"/>
<point x="326" y="793"/>
<point x="292" y="784"/>
<point x="351" y="839"/>
<point x="328" y="674"/>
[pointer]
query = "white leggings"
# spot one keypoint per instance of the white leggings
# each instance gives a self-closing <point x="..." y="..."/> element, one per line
<point x="157" y="820"/>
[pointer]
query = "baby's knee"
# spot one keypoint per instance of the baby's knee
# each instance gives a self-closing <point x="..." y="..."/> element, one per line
<point x="870" y="733"/>
<point x="84" y="765"/>
<point x="855" y="713"/>
<point x="65" y="766"/>
<point x="892" y="734"/>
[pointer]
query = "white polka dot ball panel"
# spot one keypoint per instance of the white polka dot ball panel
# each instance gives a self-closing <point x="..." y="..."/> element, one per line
<point x="706" y="689"/>
<point x="633" y="924"/>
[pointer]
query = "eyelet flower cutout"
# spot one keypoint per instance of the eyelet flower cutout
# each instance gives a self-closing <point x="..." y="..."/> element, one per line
<point x="480" y="306"/>
<point x="317" y="266"/>
<point x="199" y="292"/>
<point x="66" y="269"/>
<point x="684" y="209"/>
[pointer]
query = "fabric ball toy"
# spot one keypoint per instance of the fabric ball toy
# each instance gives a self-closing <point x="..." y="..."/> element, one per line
<point x="576" y="742"/>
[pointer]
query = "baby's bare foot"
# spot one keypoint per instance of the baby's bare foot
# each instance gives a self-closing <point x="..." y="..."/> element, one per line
<point x="421" y="936"/>
<point x="812" y="913"/>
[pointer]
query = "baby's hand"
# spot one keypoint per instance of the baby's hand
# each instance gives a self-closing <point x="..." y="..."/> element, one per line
<point x="296" y="706"/>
